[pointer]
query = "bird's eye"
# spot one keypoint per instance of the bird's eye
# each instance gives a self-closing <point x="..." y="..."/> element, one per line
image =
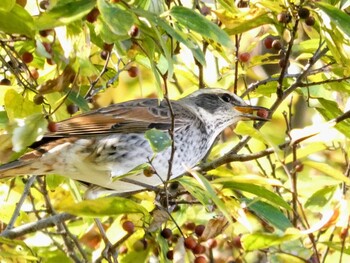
<point x="226" y="97"/>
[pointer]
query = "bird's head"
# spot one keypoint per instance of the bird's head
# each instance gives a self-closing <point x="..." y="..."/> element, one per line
<point x="222" y="108"/>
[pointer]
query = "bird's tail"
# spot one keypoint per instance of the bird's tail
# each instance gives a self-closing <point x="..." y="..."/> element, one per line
<point x="15" y="168"/>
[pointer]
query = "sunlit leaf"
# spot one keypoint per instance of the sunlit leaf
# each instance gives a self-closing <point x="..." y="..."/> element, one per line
<point x="108" y="206"/>
<point x="341" y="19"/>
<point x="264" y="240"/>
<point x="28" y="130"/>
<point x="7" y="5"/>
<point x="193" y="187"/>
<point x="198" y="23"/>
<point x="118" y="19"/>
<point x="269" y="213"/>
<point x="328" y="170"/>
<point x="321" y="197"/>
<point x="17" y="21"/>
<point x="64" y="14"/>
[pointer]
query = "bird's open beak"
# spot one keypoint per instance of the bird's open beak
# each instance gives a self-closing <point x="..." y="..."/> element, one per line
<point x="253" y="112"/>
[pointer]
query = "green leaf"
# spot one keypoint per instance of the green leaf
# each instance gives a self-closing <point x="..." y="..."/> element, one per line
<point x="17" y="106"/>
<point x="193" y="187"/>
<point x="107" y="206"/>
<point x="321" y="197"/>
<point x="247" y="25"/>
<point x="158" y="140"/>
<point x="7" y="5"/>
<point x="328" y="170"/>
<point x="264" y="240"/>
<point x="198" y="23"/>
<point x="118" y="19"/>
<point x="331" y="111"/>
<point x="205" y="184"/>
<point x="17" y="21"/>
<point x="259" y="191"/>
<point x="3" y="118"/>
<point x="79" y="100"/>
<point x="269" y="213"/>
<point x="28" y="130"/>
<point x="338" y="17"/>
<point x="64" y="14"/>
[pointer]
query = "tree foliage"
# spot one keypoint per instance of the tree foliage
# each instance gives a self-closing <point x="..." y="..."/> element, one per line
<point x="275" y="191"/>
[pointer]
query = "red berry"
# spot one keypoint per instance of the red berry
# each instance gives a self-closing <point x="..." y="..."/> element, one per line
<point x="284" y="17"/>
<point x="34" y="73"/>
<point x="198" y="249"/>
<point x="149" y="171"/>
<point x="27" y="57"/>
<point x="45" y="33"/>
<point x="283" y="63"/>
<point x="200" y="259"/>
<point x="170" y="254"/>
<point x="133" y="72"/>
<point x="92" y="15"/>
<point x="21" y="2"/>
<point x="5" y="82"/>
<point x="268" y="42"/>
<point x="123" y="250"/>
<point x="262" y="113"/>
<point x="50" y="61"/>
<point x="310" y="21"/>
<point x="166" y="233"/>
<point x="244" y="57"/>
<point x="236" y="242"/>
<point x="205" y="10"/>
<point x="52" y="126"/>
<point x="190" y="226"/>
<point x="303" y="13"/>
<point x="190" y="242"/>
<point x="128" y="226"/>
<point x="276" y="44"/>
<point x="199" y="230"/>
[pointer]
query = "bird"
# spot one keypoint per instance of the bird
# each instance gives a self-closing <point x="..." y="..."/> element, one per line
<point x="101" y="147"/>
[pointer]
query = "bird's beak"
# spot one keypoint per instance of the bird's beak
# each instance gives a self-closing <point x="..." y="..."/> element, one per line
<point x="253" y="112"/>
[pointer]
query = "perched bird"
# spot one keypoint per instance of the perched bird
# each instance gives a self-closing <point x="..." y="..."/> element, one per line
<point x="101" y="146"/>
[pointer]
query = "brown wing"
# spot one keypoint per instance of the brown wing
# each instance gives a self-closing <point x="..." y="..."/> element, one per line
<point x="132" y="116"/>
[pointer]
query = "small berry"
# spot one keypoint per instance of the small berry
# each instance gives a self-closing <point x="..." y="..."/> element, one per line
<point x="199" y="230"/>
<point x="310" y="21"/>
<point x="344" y="233"/>
<point x="190" y="242"/>
<point x="104" y="54"/>
<point x="303" y="13"/>
<point x="262" y="113"/>
<point x="72" y="108"/>
<point x="27" y="57"/>
<point x="123" y="250"/>
<point x="244" y="57"/>
<point x="190" y="226"/>
<point x="236" y="242"/>
<point x="52" y="126"/>
<point x="133" y="71"/>
<point x="166" y="233"/>
<point x="205" y="10"/>
<point x="5" y="82"/>
<point x="134" y="31"/>
<point x="299" y="167"/>
<point x="276" y="44"/>
<point x="92" y="15"/>
<point x="174" y="186"/>
<point x="50" y="61"/>
<point x="243" y="4"/>
<point x="149" y="171"/>
<point x="38" y="99"/>
<point x="200" y="259"/>
<point x="284" y="17"/>
<point x="268" y="42"/>
<point x="44" y="4"/>
<point x="170" y="254"/>
<point x="45" y="33"/>
<point x="198" y="249"/>
<point x="34" y="73"/>
<point x="128" y="226"/>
